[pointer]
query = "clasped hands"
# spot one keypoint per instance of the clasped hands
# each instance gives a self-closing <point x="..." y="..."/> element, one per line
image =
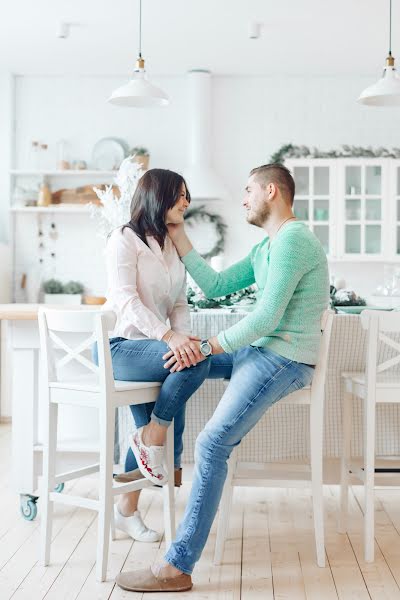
<point x="184" y="352"/>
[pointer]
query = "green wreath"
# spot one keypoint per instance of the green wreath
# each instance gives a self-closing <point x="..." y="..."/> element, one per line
<point x="199" y="213"/>
<point x="292" y="151"/>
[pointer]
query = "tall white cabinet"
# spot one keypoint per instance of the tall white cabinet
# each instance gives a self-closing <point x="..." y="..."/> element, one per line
<point x="351" y="204"/>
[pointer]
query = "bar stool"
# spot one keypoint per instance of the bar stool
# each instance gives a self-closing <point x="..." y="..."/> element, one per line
<point x="257" y="474"/>
<point x="72" y="333"/>
<point x="378" y="384"/>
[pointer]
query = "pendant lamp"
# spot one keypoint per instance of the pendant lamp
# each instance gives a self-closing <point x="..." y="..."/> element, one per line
<point x="386" y="91"/>
<point x="139" y="92"/>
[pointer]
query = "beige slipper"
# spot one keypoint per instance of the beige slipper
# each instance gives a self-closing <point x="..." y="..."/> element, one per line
<point x="144" y="580"/>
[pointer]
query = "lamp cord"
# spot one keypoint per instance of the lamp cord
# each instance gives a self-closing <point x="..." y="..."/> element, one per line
<point x="390" y="28"/>
<point x="140" y="28"/>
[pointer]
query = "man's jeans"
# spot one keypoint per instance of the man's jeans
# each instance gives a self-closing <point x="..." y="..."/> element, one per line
<point x="258" y="379"/>
<point x="141" y="360"/>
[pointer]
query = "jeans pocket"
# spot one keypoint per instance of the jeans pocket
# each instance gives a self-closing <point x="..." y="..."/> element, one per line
<point x="275" y="359"/>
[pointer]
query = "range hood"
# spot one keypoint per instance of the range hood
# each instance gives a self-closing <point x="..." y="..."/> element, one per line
<point x="203" y="182"/>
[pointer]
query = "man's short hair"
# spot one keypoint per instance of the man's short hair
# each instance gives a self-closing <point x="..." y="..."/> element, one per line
<point x="278" y="174"/>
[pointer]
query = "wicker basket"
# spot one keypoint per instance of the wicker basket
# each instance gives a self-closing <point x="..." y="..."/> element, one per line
<point x="94" y="299"/>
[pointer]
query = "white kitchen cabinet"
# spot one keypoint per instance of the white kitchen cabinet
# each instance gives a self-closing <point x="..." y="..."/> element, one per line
<point x="351" y="204"/>
<point x="314" y="201"/>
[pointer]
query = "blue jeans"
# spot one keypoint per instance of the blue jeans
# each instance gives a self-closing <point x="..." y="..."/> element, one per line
<point x="141" y="360"/>
<point x="258" y="379"/>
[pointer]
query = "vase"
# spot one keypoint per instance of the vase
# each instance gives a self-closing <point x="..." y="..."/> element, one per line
<point x="44" y="198"/>
<point x="63" y="299"/>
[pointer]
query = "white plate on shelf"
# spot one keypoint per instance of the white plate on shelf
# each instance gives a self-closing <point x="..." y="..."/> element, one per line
<point x="108" y="153"/>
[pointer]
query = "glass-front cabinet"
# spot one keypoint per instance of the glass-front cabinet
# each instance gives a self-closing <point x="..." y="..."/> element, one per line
<point x="313" y="202"/>
<point x="351" y="204"/>
<point x="362" y="196"/>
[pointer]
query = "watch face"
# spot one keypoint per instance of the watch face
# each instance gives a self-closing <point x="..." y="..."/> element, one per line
<point x="205" y="348"/>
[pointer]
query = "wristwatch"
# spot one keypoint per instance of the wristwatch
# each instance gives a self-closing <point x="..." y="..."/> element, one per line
<point x="205" y="348"/>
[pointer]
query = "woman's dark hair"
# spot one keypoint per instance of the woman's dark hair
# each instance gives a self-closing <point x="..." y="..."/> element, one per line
<point x="157" y="191"/>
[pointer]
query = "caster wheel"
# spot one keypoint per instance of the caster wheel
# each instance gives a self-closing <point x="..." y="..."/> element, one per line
<point x="59" y="488"/>
<point x="29" y="508"/>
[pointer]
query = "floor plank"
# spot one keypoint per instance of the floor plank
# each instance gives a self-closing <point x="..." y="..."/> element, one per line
<point x="315" y="578"/>
<point x="269" y="554"/>
<point x="348" y="578"/>
<point x="256" y="557"/>
<point x="286" y="568"/>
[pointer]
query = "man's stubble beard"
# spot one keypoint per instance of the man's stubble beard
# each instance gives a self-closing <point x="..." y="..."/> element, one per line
<point x="261" y="217"/>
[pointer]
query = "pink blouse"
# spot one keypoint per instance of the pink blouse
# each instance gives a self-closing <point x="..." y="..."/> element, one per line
<point x="146" y="287"/>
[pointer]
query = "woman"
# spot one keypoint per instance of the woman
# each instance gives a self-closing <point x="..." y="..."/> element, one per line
<point x="147" y="288"/>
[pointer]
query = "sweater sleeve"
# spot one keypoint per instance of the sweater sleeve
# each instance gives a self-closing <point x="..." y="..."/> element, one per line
<point x="122" y="267"/>
<point x="214" y="284"/>
<point x="289" y="260"/>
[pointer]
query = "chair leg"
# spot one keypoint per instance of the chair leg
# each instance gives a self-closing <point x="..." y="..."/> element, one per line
<point x="316" y="449"/>
<point x="224" y="510"/>
<point x="105" y="490"/>
<point x="49" y="471"/>
<point x="347" y="415"/>
<point x="369" y="477"/>
<point x="112" y="523"/>
<point x="169" y="489"/>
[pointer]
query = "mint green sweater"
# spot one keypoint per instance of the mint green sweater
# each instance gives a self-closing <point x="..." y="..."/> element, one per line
<point x="293" y="291"/>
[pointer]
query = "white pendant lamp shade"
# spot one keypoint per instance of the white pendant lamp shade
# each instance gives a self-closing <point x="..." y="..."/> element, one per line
<point x="139" y="92"/>
<point x="386" y="91"/>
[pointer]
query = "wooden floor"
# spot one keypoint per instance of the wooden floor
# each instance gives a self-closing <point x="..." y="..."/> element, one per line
<point x="269" y="553"/>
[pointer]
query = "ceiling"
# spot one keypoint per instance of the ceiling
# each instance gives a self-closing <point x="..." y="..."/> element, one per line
<point x="298" y="37"/>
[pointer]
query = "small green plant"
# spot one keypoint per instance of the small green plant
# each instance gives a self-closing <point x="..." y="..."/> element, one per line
<point x="53" y="286"/>
<point x="140" y="151"/>
<point x="73" y="287"/>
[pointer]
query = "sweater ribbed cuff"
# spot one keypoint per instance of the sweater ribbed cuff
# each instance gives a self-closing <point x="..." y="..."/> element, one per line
<point x="224" y="343"/>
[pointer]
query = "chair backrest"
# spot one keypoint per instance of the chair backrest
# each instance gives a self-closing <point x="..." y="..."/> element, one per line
<point x="71" y="334"/>
<point x="379" y="323"/>
<point x="318" y="382"/>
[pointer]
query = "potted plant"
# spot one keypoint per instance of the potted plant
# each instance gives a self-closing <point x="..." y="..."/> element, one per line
<point x="56" y="292"/>
<point x="142" y="156"/>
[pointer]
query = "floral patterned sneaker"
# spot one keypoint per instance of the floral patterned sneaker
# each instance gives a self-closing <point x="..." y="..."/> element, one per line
<point x="150" y="459"/>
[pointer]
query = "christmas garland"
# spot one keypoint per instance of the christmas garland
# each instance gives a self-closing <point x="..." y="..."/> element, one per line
<point x="196" y="298"/>
<point x="199" y="213"/>
<point x="292" y="151"/>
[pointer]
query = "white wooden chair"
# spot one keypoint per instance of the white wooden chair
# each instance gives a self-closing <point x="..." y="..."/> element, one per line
<point x="374" y="386"/>
<point x="257" y="474"/>
<point x="73" y="332"/>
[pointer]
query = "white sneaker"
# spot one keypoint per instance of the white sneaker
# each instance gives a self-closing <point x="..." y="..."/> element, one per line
<point x="149" y="459"/>
<point x="135" y="527"/>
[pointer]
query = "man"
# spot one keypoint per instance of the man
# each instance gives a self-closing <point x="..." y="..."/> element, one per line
<point x="267" y="355"/>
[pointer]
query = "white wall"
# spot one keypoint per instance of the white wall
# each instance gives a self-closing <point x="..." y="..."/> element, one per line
<point x="252" y="118"/>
